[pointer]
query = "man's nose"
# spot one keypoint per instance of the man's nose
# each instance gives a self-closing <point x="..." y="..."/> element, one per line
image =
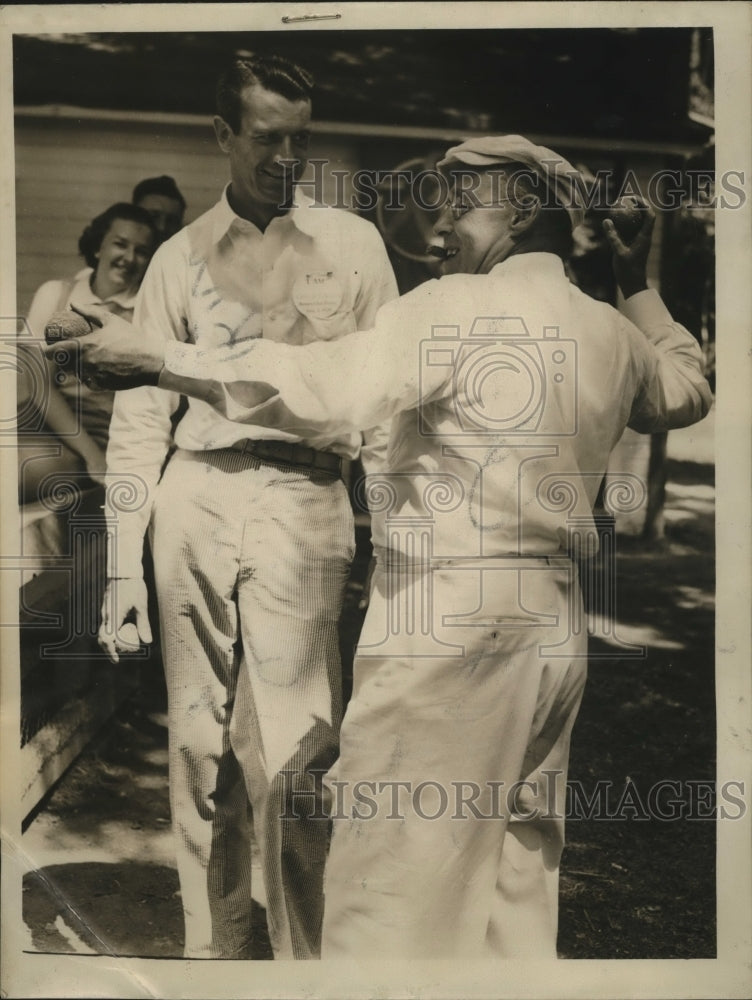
<point x="443" y="224"/>
<point x="128" y="253"/>
<point x="285" y="153"/>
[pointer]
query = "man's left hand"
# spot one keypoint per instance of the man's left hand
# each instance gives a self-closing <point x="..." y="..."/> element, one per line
<point x="630" y="259"/>
<point x="115" y="355"/>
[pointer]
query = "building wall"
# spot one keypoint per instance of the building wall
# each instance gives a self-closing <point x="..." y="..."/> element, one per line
<point x="68" y="171"/>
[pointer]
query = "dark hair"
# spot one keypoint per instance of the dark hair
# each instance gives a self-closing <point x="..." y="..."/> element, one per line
<point x="163" y="185"/>
<point x="275" y="73"/>
<point x="91" y="238"/>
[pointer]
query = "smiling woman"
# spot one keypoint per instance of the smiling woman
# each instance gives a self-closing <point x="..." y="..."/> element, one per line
<point x="54" y="409"/>
<point x="117" y="245"/>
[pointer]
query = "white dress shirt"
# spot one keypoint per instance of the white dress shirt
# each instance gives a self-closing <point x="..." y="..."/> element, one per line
<point x="502" y="429"/>
<point x="316" y="273"/>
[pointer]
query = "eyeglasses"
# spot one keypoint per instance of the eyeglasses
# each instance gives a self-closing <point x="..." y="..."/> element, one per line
<point x="458" y="209"/>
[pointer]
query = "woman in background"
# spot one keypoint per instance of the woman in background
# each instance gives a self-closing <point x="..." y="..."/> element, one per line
<point x="60" y="413"/>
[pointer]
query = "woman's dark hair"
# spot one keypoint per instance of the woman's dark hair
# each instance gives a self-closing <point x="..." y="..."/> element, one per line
<point x="163" y="185"/>
<point x="272" y="72"/>
<point x="91" y="238"/>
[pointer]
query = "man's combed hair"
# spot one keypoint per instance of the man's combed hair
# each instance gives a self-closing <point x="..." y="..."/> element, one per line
<point x="274" y="73"/>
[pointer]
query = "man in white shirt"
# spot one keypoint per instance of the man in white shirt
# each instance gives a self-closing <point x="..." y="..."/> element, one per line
<point x="508" y="387"/>
<point x="252" y="527"/>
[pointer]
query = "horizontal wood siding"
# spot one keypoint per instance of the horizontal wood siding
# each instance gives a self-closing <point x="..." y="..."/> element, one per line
<point x="67" y="172"/>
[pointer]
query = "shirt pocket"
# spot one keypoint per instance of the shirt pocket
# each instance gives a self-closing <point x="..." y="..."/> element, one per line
<point x="324" y="301"/>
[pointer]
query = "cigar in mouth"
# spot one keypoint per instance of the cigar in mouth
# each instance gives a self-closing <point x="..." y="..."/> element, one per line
<point x="441" y="253"/>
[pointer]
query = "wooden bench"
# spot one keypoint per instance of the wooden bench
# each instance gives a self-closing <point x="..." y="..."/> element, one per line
<point x="68" y="688"/>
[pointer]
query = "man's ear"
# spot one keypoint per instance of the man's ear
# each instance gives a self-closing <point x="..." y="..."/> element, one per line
<point x="526" y="211"/>
<point x="223" y="133"/>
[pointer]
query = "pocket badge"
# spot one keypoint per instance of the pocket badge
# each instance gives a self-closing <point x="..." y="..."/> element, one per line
<point x="317" y="294"/>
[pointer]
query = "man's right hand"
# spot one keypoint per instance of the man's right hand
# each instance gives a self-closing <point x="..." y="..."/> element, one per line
<point x="124" y="598"/>
<point x="115" y="355"/>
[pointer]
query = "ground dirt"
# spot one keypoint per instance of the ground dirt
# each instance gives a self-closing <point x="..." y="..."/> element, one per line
<point x="104" y="879"/>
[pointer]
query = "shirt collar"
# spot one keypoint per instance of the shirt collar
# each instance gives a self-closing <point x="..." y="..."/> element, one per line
<point x="83" y="294"/>
<point x="548" y="263"/>
<point x="224" y="216"/>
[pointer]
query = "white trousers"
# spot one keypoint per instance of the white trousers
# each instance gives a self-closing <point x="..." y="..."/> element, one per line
<point x="250" y="561"/>
<point x="448" y="796"/>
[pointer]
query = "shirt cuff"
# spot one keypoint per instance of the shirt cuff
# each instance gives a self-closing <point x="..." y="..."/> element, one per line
<point x="124" y="557"/>
<point x="646" y="309"/>
<point x="245" y="400"/>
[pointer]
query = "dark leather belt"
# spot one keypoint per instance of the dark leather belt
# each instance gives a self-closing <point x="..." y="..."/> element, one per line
<point x="287" y="453"/>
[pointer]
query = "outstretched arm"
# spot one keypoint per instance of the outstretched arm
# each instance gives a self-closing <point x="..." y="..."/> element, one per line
<point x="348" y="384"/>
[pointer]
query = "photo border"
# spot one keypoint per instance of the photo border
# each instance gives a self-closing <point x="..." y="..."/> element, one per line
<point x="38" y="975"/>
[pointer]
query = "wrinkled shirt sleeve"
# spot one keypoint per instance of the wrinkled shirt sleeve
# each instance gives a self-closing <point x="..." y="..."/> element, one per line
<point x="672" y="390"/>
<point x="140" y="434"/>
<point x="46" y="300"/>
<point x="356" y="382"/>
<point x="379" y="287"/>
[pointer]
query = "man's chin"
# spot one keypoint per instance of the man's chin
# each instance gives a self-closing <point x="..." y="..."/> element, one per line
<point x="278" y="191"/>
<point x="451" y="265"/>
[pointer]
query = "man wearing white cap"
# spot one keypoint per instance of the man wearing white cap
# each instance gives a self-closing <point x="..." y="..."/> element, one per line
<point x="508" y="388"/>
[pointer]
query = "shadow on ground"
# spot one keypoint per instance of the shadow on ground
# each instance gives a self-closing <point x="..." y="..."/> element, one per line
<point x="631" y="886"/>
<point x="638" y="872"/>
<point x="128" y="910"/>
